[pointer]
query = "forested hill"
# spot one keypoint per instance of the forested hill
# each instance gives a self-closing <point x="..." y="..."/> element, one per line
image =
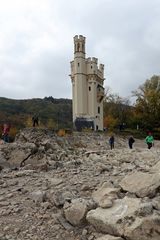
<point x="52" y="112"/>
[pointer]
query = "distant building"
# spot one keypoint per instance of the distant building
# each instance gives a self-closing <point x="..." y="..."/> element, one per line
<point x="87" y="88"/>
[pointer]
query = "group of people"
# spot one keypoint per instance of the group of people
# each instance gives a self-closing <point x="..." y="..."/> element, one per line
<point x="6" y="128"/>
<point x="130" y="142"/>
<point x="149" y="140"/>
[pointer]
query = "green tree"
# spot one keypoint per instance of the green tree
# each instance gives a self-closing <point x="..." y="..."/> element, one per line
<point x="147" y="103"/>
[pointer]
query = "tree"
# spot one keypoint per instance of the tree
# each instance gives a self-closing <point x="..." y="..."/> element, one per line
<point x="147" y="103"/>
<point x="110" y="122"/>
<point x="116" y="109"/>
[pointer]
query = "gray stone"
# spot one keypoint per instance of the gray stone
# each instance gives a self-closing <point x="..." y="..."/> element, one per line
<point x="147" y="228"/>
<point x="76" y="211"/>
<point x="105" y="203"/>
<point x="55" y="181"/>
<point x="60" y="197"/>
<point x="142" y="184"/>
<point x="124" y="219"/>
<point x="38" y="196"/>
<point x="109" y="220"/>
<point x="104" y="193"/>
<point x="109" y="237"/>
<point x="156" y="203"/>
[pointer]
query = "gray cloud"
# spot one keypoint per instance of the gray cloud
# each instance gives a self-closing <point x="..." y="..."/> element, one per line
<point x="36" y="44"/>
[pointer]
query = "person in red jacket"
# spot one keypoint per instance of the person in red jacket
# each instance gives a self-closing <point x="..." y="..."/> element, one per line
<point x="5" y="132"/>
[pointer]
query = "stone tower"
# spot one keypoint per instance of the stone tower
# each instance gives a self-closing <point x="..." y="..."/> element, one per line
<point x="87" y="87"/>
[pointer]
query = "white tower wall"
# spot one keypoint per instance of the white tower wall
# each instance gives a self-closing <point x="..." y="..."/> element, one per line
<point x="87" y="85"/>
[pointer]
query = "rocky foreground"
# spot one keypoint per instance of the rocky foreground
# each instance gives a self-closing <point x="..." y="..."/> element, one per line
<point x="75" y="188"/>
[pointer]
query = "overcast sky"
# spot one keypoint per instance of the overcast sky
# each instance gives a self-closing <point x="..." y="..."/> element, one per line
<point x="36" y="44"/>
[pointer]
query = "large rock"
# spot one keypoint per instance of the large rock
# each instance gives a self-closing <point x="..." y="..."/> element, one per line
<point x="104" y="195"/>
<point x="109" y="237"/>
<point x="125" y="219"/>
<point x="16" y="153"/>
<point x="17" y="156"/>
<point x="109" y="220"/>
<point x="141" y="184"/>
<point x="76" y="211"/>
<point x="147" y="228"/>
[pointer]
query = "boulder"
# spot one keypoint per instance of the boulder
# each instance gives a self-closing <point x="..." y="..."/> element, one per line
<point x="75" y="212"/>
<point x="141" y="184"/>
<point x="109" y="220"/>
<point x="125" y="219"/>
<point x="17" y="156"/>
<point x="147" y="228"/>
<point x="109" y="237"/>
<point x="104" y="195"/>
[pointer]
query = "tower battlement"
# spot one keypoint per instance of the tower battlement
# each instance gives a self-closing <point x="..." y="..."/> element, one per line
<point x="92" y="60"/>
<point x="79" y="38"/>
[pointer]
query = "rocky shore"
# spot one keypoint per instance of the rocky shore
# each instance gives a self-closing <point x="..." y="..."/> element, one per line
<point x="76" y="188"/>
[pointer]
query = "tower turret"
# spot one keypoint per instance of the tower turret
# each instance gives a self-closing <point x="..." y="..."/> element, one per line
<point x="79" y="44"/>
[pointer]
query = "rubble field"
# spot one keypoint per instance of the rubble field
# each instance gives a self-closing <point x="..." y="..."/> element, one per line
<point x="76" y="188"/>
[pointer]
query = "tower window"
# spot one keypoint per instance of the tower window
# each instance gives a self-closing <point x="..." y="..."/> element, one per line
<point x="98" y="109"/>
<point x="89" y="88"/>
<point x="78" y="47"/>
<point x="78" y="64"/>
<point x="91" y="66"/>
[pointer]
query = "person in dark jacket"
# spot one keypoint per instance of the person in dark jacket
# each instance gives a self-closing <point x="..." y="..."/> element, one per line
<point x="111" y="142"/>
<point x="130" y="142"/>
<point x="35" y="120"/>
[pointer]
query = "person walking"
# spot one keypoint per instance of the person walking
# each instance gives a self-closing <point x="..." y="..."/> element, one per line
<point x="111" y="142"/>
<point x="149" y="140"/>
<point x="35" y="120"/>
<point x="131" y="141"/>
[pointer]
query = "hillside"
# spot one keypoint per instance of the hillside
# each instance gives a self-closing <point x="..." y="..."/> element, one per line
<point x="52" y="112"/>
